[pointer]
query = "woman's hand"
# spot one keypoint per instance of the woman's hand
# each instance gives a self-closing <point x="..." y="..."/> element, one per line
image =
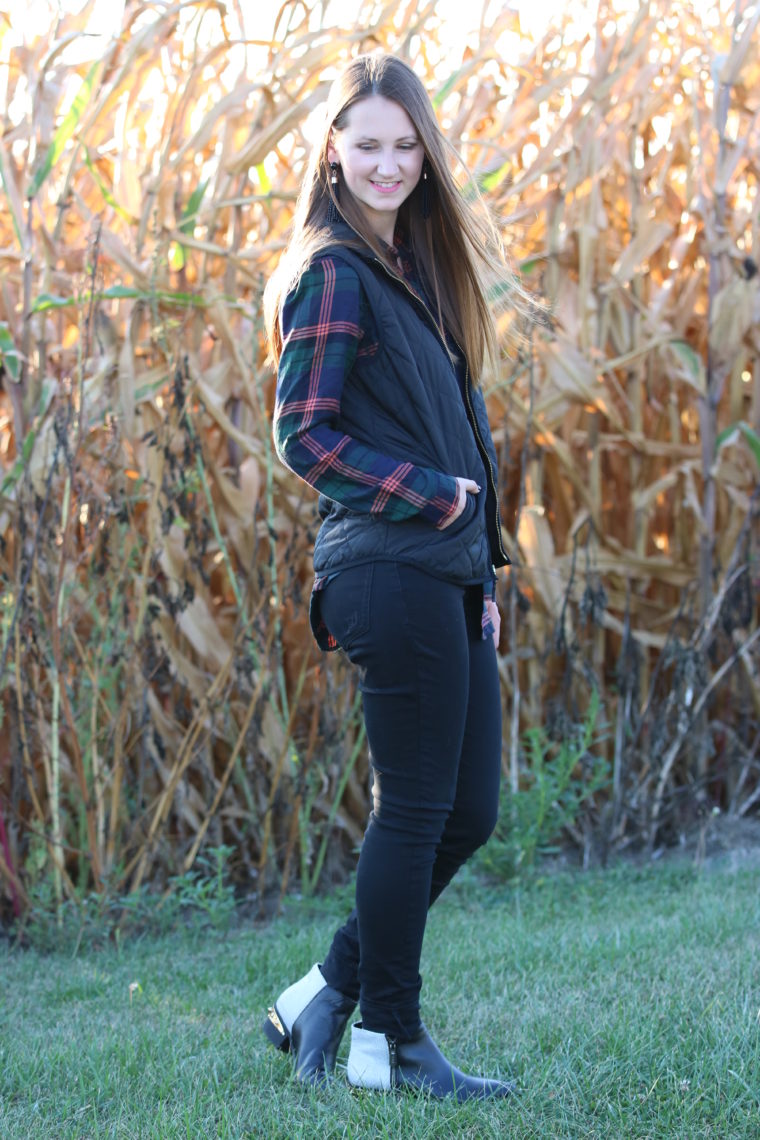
<point x="495" y="616"/>
<point x="464" y="487"/>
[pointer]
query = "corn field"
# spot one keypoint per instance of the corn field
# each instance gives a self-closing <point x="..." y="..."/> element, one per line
<point x="159" y="689"/>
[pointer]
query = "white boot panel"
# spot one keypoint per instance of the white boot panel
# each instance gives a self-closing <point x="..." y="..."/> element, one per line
<point x="295" y="998"/>
<point x="369" y="1065"/>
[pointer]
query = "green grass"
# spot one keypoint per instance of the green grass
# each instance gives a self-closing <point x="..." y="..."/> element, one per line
<point x="626" y="1004"/>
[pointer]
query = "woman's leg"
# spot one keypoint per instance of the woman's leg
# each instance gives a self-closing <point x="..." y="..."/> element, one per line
<point x="473" y="816"/>
<point x="424" y="722"/>
<point x="476" y="804"/>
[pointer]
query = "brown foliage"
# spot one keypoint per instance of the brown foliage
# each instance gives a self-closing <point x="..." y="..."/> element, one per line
<point x="160" y="689"/>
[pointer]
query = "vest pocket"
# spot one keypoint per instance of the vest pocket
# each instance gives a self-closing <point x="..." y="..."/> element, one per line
<point x="467" y="515"/>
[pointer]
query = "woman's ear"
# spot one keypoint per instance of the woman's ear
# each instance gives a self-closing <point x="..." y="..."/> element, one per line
<point x="332" y="154"/>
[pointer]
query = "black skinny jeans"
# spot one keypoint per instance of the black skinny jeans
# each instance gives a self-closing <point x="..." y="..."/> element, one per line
<point x="430" y="690"/>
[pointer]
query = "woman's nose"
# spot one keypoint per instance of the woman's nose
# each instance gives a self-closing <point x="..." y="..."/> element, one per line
<point x="386" y="163"/>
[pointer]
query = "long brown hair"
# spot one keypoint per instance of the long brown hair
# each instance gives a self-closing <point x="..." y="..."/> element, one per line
<point x="457" y="249"/>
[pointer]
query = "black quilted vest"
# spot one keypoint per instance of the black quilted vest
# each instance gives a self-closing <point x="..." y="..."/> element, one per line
<point x="405" y="400"/>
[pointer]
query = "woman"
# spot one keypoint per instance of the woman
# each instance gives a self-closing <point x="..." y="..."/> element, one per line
<point x="378" y="321"/>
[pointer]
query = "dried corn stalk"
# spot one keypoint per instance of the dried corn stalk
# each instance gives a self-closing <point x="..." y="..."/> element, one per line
<point x="159" y="684"/>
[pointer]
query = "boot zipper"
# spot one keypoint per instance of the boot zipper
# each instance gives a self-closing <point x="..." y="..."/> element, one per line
<point x="471" y="411"/>
<point x="393" y="1059"/>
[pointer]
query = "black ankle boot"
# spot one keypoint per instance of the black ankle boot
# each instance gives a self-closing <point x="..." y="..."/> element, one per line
<point x="380" y="1062"/>
<point x="309" y="1019"/>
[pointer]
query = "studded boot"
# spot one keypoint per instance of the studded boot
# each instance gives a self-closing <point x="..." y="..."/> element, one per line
<point x="309" y="1019"/>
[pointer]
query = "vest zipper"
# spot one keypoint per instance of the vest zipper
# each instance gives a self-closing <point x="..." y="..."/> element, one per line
<point x="471" y="410"/>
<point x="487" y="457"/>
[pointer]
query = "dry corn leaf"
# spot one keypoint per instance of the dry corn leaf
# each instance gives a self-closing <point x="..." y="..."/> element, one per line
<point x="643" y="498"/>
<point x="583" y="145"/>
<point x="127" y="374"/>
<point x="242" y="499"/>
<point x="265" y="140"/>
<point x="182" y="667"/>
<point x="213" y="401"/>
<point x="271" y="738"/>
<point x="732" y="316"/>
<point x="197" y="623"/>
<point x="539" y="557"/>
<point x="648" y="240"/>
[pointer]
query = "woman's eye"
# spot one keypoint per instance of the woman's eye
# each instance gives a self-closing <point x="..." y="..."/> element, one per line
<point x="401" y="146"/>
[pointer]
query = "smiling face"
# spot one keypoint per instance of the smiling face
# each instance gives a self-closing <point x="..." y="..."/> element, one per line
<point x="380" y="156"/>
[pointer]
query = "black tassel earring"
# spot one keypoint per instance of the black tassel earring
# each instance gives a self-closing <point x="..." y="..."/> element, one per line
<point x="332" y="210"/>
<point x="425" y="192"/>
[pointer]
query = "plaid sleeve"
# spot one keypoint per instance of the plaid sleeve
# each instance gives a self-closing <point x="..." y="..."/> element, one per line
<point x="321" y="331"/>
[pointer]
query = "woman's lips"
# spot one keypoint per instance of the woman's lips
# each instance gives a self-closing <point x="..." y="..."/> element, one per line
<point x="386" y="188"/>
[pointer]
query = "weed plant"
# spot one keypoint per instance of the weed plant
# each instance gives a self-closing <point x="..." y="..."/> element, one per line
<point x="556" y="785"/>
<point x="199" y="900"/>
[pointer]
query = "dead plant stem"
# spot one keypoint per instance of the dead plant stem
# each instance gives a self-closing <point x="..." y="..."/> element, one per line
<point x="236" y="749"/>
<point x="514" y="737"/>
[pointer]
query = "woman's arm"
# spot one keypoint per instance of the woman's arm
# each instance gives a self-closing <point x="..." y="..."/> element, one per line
<point x="321" y="333"/>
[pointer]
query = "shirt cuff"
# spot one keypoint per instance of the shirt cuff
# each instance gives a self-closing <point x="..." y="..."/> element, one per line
<point x="440" y="509"/>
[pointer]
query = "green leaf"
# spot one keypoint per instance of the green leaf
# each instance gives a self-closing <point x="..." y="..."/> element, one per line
<point x="448" y="87"/>
<point x="9" y="353"/>
<point x="490" y="181"/>
<point x="176" y="256"/>
<point x="753" y="440"/>
<point x="47" y="392"/>
<point x="500" y="289"/>
<point x="190" y="212"/>
<point x="28" y="446"/>
<point x="264" y="180"/>
<point x="65" y="131"/>
<point x="107" y="195"/>
<point x="147" y="390"/>
<point x="17" y="470"/>
<point x="688" y="356"/>
<point x="119" y="292"/>
<point x="17" y="222"/>
<point x="530" y="264"/>
<point x="693" y="369"/>
<point x="47" y="301"/>
<point x="730" y="434"/>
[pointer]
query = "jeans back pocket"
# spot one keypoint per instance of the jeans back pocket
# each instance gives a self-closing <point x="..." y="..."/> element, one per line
<point x="345" y="604"/>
